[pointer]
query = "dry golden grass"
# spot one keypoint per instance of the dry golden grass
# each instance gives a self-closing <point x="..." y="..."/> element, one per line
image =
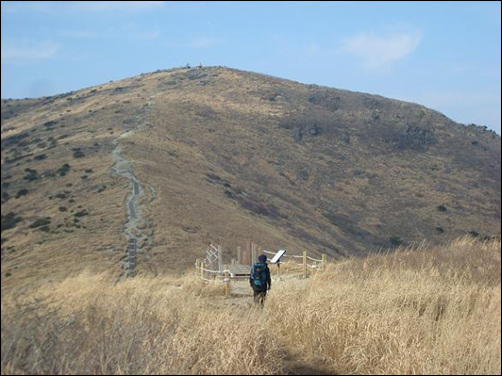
<point x="422" y="311"/>
<point x="142" y="326"/>
<point x="429" y="311"/>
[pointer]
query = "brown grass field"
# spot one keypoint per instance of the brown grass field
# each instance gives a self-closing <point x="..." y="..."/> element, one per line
<point x="427" y="310"/>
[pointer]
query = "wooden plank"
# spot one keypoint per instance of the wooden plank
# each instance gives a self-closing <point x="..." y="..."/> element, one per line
<point x="239" y="269"/>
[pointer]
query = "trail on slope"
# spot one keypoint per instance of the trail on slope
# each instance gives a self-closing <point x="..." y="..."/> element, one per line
<point x="134" y="225"/>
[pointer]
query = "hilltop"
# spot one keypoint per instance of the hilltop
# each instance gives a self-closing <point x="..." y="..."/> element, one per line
<point x="182" y="157"/>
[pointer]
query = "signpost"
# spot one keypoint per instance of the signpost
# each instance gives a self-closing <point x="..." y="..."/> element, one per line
<point x="277" y="257"/>
<point x="277" y="260"/>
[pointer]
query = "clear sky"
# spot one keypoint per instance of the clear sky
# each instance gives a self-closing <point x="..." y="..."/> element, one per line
<point x="444" y="55"/>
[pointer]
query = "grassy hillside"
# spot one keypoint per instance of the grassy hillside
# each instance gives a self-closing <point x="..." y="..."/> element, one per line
<point x="216" y="154"/>
<point x="431" y="310"/>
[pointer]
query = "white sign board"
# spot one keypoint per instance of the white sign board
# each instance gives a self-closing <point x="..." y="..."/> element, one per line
<point x="277" y="256"/>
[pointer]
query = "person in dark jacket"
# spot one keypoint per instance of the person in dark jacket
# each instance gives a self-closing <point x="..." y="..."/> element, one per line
<point x="260" y="280"/>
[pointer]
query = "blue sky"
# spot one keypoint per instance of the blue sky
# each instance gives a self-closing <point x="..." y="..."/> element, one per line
<point x="445" y="55"/>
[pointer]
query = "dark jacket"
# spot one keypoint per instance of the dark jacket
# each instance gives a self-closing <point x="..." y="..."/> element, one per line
<point x="266" y="278"/>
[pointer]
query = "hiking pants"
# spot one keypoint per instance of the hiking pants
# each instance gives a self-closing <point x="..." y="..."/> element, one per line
<point x="259" y="296"/>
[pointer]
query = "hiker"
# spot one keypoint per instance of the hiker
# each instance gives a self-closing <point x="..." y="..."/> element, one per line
<point x="259" y="279"/>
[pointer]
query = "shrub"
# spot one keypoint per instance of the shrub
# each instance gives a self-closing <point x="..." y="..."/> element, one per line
<point x="22" y="192"/>
<point x="14" y="140"/>
<point x="63" y="170"/>
<point x="40" y="157"/>
<point x="42" y="222"/>
<point x="396" y="241"/>
<point x="78" y="154"/>
<point x="10" y="221"/>
<point x="5" y="197"/>
<point x="31" y="175"/>
<point x="50" y="124"/>
<point x="81" y="213"/>
<point x="17" y="158"/>
<point x="49" y="174"/>
<point x="442" y="208"/>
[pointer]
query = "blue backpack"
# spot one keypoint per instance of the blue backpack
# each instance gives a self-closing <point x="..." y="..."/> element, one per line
<point x="259" y="276"/>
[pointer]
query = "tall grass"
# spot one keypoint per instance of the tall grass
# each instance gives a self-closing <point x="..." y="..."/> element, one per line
<point x="141" y="326"/>
<point x="421" y="311"/>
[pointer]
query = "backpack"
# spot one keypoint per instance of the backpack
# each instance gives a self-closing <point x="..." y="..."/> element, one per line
<point x="259" y="276"/>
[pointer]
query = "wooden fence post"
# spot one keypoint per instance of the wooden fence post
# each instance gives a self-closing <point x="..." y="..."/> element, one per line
<point x="304" y="264"/>
<point x="247" y="253"/>
<point x="220" y="259"/>
<point x="227" y="283"/>
<point x="324" y="261"/>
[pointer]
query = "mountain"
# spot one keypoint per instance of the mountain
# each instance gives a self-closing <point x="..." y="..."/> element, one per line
<point x="183" y="157"/>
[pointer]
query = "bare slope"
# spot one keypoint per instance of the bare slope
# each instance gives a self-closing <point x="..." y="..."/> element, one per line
<point x="224" y="155"/>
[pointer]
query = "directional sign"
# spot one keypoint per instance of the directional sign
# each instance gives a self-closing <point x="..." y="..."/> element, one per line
<point x="277" y="256"/>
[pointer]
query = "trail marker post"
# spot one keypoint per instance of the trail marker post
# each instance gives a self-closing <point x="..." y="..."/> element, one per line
<point x="304" y="264"/>
<point x="277" y="260"/>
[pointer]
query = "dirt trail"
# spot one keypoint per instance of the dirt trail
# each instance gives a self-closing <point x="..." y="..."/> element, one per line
<point x="134" y="226"/>
<point x="241" y="294"/>
<point x="241" y="301"/>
